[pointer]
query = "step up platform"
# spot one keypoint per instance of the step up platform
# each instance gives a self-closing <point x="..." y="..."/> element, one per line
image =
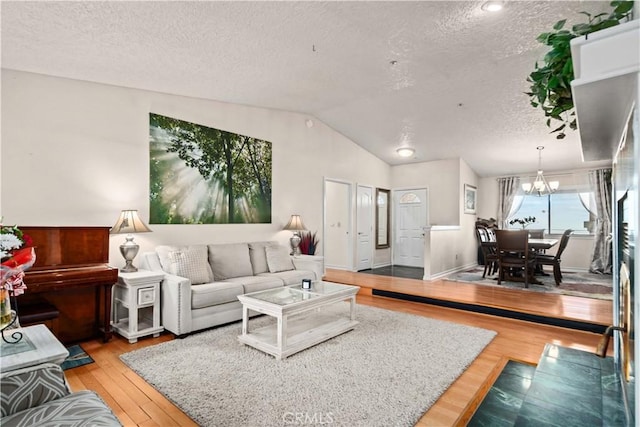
<point x="568" y="387"/>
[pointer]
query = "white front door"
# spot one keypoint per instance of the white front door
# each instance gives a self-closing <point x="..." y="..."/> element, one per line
<point x="410" y="207"/>
<point x="364" y="215"/>
<point x="337" y="246"/>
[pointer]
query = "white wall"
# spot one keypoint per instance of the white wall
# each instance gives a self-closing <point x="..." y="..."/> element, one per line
<point x="488" y="198"/>
<point x="76" y="153"/>
<point x="442" y="178"/>
<point x="454" y="248"/>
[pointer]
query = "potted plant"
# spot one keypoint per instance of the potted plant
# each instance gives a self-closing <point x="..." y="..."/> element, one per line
<point x="551" y="81"/>
<point x="308" y="243"/>
<point x="524" y="222"/>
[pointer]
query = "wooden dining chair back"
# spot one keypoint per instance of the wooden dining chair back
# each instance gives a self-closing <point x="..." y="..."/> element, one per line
<point x="554" y="260"/>
<point x="536" y="233"/>
<point x="488" y="251"/>
<point x="514" y="254"/>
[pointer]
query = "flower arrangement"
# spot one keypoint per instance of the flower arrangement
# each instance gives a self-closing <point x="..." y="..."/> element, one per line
<point x="308" y="243"/>
<point x="12" y="239"/>
<point x="16" y="255"/>
<point x="524" y="222"/>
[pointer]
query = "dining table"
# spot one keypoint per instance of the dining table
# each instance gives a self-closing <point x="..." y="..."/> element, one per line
<point x="537" y="245"/>
<point x="542" y="244"/>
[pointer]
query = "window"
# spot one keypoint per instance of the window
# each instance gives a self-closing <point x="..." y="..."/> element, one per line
<point x="557" y="212"/>
<point x="408" y="198"/>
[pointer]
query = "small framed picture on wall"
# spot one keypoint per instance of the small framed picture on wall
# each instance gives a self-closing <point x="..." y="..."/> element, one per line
<point x="470" y="193"/>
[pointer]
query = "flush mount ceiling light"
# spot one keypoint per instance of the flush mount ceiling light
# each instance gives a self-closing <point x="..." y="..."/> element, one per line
<point x="405" y="151"/>
<point x="540" y="186"/>
<point x="492" y="6"/>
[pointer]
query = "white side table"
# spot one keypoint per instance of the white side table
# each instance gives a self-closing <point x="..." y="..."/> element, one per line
<point x="136" y="304"/>
<point x="38" y="345"/>
<point x="314" y="263"/>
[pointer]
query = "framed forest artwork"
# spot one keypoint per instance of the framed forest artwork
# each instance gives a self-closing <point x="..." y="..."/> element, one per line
<point x="203" y="175"/>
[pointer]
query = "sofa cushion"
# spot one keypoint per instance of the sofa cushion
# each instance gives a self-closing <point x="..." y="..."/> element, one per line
<point x="83" y="408"/>
<point x="45" y="382"/>
<point x="191" y="263"/>
<point x="278" y="259"/>
<point x="230" y="260"/>
<point x="257" y="283"/>
<point x="258" y="256"/>
<point x="292" y="277"/>
<point x="209" y="294"/>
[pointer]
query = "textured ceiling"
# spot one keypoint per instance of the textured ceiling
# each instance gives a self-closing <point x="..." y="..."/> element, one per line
<point x="456" y="89"/>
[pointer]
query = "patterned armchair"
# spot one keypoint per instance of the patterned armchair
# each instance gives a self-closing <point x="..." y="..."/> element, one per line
<point x="39" y="395"/>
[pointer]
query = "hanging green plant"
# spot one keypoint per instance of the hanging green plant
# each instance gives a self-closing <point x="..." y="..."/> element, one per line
<point x="551" y="82"/>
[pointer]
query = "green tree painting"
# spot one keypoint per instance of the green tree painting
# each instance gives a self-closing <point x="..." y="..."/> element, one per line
<point x="203" y="175"/>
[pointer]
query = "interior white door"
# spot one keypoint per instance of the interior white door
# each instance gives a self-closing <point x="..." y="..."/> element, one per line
<point x="364" y="215"/>
<point x="337" y="246"/>
<point x="410" y="207"/>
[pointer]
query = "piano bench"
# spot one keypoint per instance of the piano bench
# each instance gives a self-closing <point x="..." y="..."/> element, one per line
<point x="40" y="312"/>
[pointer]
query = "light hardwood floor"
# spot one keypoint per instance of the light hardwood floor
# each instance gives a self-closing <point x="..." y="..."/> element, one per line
<point x="137" y="403"/>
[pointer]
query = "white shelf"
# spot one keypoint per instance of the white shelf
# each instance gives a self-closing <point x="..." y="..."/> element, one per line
<point x="606" y="66"/>
<point x="145" y="327"/>
<point x="302" y="333"/>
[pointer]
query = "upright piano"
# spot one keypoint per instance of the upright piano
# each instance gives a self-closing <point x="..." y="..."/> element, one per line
<point x="71" y="272"/>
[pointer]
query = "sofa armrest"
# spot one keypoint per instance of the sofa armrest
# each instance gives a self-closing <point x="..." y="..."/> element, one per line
<point x="313" y="263"/>
<point x="32" y="386"/>
<point x="176" y="304"/>
<point x="149" y="261"/>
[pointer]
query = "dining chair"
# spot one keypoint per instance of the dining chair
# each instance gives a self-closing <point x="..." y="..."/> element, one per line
<point x="554" y="260"/>
<point x="536" y="233"/>
<point x="514" y="254"/>
<point x="488" y="251"/>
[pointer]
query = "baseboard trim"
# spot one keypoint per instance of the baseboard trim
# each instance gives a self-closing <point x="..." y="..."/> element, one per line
<point x="534" y="318"/>
<point x="452" y="271"/>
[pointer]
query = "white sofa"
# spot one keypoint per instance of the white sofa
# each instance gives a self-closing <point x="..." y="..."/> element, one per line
<point x="202" y="282"/>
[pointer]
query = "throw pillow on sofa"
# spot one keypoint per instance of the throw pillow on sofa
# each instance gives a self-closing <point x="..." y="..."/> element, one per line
<point x="259" y="257"/>
<point x="192" y="264"/>
<point x="230" y="260"/>
<point x="278" y="259"/>
<point x="186" y="261"/>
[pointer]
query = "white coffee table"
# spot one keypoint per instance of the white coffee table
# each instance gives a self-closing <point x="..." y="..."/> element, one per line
<point x="38" y="345"/>
<point x="301" y="322"/>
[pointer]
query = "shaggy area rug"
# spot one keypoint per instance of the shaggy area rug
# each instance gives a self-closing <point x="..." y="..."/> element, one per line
<point x="581" y="284"/>
<point x="388" y="371"/>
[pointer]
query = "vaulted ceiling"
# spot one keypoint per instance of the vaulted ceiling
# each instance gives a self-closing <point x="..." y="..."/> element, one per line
<point x="444" y="77"/>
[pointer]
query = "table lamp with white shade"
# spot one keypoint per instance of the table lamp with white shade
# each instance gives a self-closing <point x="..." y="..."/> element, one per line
<point x="128" y="223"/>
<point x="295" y="224"/>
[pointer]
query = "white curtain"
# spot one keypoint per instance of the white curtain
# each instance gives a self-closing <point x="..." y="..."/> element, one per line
<point x="507" y="190"/>
<point x="600" y="181"/>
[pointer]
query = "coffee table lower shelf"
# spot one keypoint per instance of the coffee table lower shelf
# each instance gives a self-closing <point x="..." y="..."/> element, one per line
<point x="301" y="333"/>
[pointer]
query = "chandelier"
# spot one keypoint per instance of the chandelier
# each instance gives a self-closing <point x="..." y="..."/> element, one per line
<point x="540" y="186"/>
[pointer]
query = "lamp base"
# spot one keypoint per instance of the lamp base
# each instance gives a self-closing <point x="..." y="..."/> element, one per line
<point x="129" y="250"/>
<point x="129" y="268"/>
<point x="295" y="243"/>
